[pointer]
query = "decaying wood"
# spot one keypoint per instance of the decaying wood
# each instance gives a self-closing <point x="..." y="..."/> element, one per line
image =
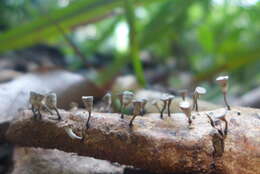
<point x="162" y="146"/>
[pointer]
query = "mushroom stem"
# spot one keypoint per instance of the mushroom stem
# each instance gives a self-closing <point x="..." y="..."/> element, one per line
<point x="225" y="100"/>
<point x="89" y="115"/>
<point x="56" y="110"/>
<point x="163" y="109"/>
<point x="169" y="107"/>
<point x="131" y="121"/>
<point x="122" y="111"/>
<point x="34" y="112"/>
<point x="226" y="128"/>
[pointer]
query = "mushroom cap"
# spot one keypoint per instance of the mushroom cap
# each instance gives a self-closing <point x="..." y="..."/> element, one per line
<point x="127" y="97"/>
<point x="108" y="94"/>
<point x="128" y="93"/>
<point x="200" y="90"/>
<point x="184" y="105"/>
<point x="164" y="97"/>
<point x="88" y="98"/>
<point x="220" y="114"/>
<point x="51" y="100"/>
<point x="222" y="79"/>
<point x="107" y="98"/>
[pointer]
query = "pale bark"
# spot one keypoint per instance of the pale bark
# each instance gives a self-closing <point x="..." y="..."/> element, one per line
<point x="163" y="146"/>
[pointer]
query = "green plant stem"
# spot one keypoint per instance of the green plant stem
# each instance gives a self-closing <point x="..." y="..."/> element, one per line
<point x="133" y="42"/>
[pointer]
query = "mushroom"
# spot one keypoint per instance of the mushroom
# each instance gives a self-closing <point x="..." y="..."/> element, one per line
<point x="137" y="110"/>
<point x="36" y="101"/>
<point x="220" y="116"/>
<point x="223" y="83"/>
<point x="51" y="103"/>
<point x="186" y="109"/>
<point x="125" y="98"/>
<point x="107" y="99"/>
<point x="198" y="91"/>
<point x="170" y="98"/>
<point x="183" y="93"/>
<point x="88" y="102"/>
<point x="67" y="125"/>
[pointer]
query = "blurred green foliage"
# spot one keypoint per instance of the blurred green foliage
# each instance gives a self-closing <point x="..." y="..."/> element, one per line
<point x="203" y="37"/>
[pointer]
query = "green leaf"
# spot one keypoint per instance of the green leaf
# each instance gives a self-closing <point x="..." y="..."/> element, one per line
<point x="78" y="13"/>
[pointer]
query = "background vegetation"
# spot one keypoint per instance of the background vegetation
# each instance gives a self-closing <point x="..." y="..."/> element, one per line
<point x="194" y="37"/>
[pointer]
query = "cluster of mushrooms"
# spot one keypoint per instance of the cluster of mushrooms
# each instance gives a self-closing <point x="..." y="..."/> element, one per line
<point x="48" y="102"/>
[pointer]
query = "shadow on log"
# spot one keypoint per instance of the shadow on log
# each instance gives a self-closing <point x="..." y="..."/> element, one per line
<point x="162" y="146"/>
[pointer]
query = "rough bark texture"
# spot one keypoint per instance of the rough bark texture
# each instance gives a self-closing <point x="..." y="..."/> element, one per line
<point x="162" y="146"/>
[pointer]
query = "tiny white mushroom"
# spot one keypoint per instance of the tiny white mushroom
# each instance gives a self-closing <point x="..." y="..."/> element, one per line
<point x="198" y="91"/>
<point x="51" y="103"/>
<point x="107" y="99"/>
<point x="223" y="83"/>
<point x="221" y="115"/>
<point x="36" y="101"/>
<point x="137" y="110"/>
<point x="186" y="109"/>
<point x="67" y="127"/>
<point x="71" y="134"/>
<point x="125" y="98"/>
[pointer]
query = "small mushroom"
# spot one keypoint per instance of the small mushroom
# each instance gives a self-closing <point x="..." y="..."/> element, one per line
<point x="88" y="103"/>
<point x="183" y="93"/>
<point x="51" y="103"/>
<point x="223" y="83"/>
<point x="67" y="125"/>
<point x="186" y="109"/>
<point x="36" y="101"/>
<point x="71" y="133"/>
<point x="170" y="98"/>
<point x="197" y="93"/>
<point x="107" y="99"/>
<point x="220" y="116"/>
<point x="125" y="98"/>
<point x="144" y="102"/>
<point x="137" y="110"/>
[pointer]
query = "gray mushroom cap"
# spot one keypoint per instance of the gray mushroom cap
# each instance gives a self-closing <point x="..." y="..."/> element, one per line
<point x="200" y="90"/>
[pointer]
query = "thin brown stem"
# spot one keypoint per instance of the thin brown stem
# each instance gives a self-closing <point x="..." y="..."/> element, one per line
<point x="169" y="108"/>
<point x="225" y="100"/>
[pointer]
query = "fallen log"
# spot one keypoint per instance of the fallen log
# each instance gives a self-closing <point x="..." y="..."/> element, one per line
<point x="162" y="146"/>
